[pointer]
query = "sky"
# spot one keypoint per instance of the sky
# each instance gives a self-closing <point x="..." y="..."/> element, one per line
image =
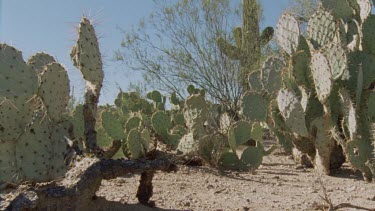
<point x="50" y="26"/>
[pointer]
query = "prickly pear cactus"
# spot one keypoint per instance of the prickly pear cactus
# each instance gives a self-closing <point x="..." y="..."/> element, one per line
<point x="252" y="157"/>
<point x="33" y="136"/>
<point x="54" y="89"/>
<point x="328" y="79"/>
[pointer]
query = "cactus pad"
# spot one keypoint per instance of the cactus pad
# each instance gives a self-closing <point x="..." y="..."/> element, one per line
<point x="8" y="168"/>
<point x="133" y="122"/>
<point x="239" y="133"/>
<point x="14" y="115"/>
<point x="112" y="125"/>
<point x="54" y="89"/>
<point x="134" y="143"/>
<point x="292" y="112"/>
<point x="86" y="55"/>
<point x="288" y="33"/>
<point x="195" y="111"/>
<point x="39" y="60"/>
<point x="252" y="157"/>
<point x="161" y="123"/>
<point x="340" y="9"/>
<point x="255" y="81"/>
<point x="337" y="59"/>
<point x="17" y="80"/>
<point x="322" y="75"/>
<point x="230" y="161"/>
<point x="37" y="158"/>
<point x="78" y="122"/>
<point x="321" y="28"/>
<point x="254" y="107"/>
<point x="368" y="35"/>
<point x="271" y="74"/>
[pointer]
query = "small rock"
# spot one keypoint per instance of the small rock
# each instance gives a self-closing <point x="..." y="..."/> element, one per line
<point x="351" y="189"/>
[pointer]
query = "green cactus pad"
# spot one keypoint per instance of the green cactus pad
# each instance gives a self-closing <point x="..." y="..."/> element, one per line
<point x="156" y="96"/>
<point x="321" y="72"/>
<point x="321" y="28"/>
<point x="60" y="132"/>
<point x="266" y="36"/>
<point x="230" y="161"/>
<point x="252" y="157"/>
<point x="112" y="125"/>
<point x="17" y="80"/>
<point x="133" y="122"/>
<point x="178" y="119"/>
<point x="14" y="116"/>
<point x="300" y="61"/>
<point x="161" y="123"/>
<point x="368" y="68"/>
<point x="78" y="121"/>
<point x="54" y="89"/>
<point x="39" y="60"/>
<point x="174" y="99"/>
<point x="239" y="133"/>
<point x="8" y="168"/>
<point x="86" y="55"/>
<point x="146" y="139"/>
<point x="191" y="89"/>
<point x="102" y="138"/>
<point x="336" y="56"/>
<point x="255" y="81"/>
<point x="254" y="107"/>
<point x="211" y="146"/>
<point x="368" y="30"/>
<point x="292" y="112"/>
<point x="257" y="132"/>
<point x="134" y="143"/>
<point x="340" y="9"/>
<point x="288" y="33"/>
<point x="271" y="74"/>
<point x="357" y="157"/>
<point x="35" y="153"/>
<point x="195" y="111"/>
<point x="229" y="50"/>
<point x="179" y="130"/>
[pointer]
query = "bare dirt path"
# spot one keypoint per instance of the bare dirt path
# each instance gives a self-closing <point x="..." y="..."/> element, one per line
<point x="278" y="185"/>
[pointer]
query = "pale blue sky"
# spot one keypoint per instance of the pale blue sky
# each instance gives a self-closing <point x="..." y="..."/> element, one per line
<point x="49" y="26"/>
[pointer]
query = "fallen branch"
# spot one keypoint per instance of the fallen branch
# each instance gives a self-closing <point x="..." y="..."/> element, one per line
<point x="77" y="190"/>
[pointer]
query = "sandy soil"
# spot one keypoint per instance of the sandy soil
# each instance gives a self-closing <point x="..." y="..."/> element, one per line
<point x="279" y="184"/>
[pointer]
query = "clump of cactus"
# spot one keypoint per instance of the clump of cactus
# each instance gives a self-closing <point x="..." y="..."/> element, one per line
<point x="327" y="78"/>
<point x="33" y="125"/>
<point x="36" y="131"/>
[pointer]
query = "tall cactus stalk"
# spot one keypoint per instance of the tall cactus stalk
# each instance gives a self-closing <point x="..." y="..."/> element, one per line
<point x="248" y="40"/>
<point x="86" y="57"/>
